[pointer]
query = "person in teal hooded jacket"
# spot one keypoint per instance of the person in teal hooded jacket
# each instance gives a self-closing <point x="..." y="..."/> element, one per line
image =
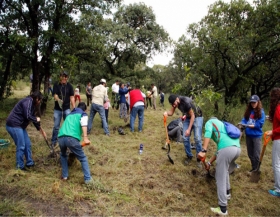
<point x="254" y="118"/>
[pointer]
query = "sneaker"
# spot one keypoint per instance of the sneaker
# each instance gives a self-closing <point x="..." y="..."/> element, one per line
<point x="64" y="179"/>
<point x="199" y="165"/>
<point x="218" y="211"/>
<point x="274" y="193"/>
<point x="228" y="196"/>
<point x="30" y="166"/>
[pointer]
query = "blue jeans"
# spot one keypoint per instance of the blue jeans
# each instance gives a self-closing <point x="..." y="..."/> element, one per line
<point x="133" y="113"/>
<point x="197" y="128"/>
<point x="57" y="115"/>
<point x="23" y="146"/>
<point x="76" y="148"/>
<point x="93" y="110"/>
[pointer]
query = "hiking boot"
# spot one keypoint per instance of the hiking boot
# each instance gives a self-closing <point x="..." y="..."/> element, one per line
<point x="30" y="166"/>
<point x="274" y="193"/>
<point x="188" y="160"/>
<point x="218" y="211"/>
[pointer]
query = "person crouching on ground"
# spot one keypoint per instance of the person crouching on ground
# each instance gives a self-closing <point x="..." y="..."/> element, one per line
<point x="16" y="124"/>
<point x="74" y="126"/>
<point x="228" y="150"/>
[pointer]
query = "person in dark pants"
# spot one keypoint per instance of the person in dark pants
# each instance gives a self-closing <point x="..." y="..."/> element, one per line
<point x="89" y="93"/>
<point x="115" y="95"/>
<point x="254" y="117"/>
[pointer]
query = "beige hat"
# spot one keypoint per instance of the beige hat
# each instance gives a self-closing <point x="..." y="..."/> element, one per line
<point x="102" y="80"/>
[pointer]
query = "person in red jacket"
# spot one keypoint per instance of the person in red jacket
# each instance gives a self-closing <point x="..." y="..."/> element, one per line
<point x="136" y="101"/>
<point x="274" y="117"/>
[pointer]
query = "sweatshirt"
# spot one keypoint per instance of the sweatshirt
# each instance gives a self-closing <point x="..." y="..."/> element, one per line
<point x="255" y="132"/>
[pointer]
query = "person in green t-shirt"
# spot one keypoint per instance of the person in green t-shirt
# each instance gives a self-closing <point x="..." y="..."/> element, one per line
<point x="228" y="150"/>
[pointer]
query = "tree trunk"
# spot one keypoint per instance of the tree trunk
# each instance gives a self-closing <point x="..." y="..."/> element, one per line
<point x="3" y="83"/>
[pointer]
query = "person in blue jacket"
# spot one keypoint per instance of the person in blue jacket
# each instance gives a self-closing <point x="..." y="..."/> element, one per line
<point x="123" y="109"/>
<point x="254" y="118"/>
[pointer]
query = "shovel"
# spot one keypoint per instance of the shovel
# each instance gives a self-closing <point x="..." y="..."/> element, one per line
<point x="209" y="175"/>
<point x="167" y="143"/>
<point x="50" y="147"/>
<point x="255" y="175"/>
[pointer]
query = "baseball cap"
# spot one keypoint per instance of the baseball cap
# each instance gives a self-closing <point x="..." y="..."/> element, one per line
<point x="64" y="73"/>
<point x="254" y="98"/>
<point x="172" y="98"/>
<point x="102" y="80"/>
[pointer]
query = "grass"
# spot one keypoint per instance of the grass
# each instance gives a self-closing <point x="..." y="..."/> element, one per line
<point x="130" y="184"/>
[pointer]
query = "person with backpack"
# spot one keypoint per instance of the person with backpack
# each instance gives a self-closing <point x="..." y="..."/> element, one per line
<point x="175" y="130"/>
<point x="192" y="120"/>
<point x="228" y="150"/>
<point x="254" y="118"/>
<point x="274" y="117"/>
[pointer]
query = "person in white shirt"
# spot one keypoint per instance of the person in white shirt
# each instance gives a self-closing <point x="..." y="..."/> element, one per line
<point x="115" y="94"/>
<point x="99" y="96"/>
<point x="77" y="94"/>
<point x="154" y="95"/>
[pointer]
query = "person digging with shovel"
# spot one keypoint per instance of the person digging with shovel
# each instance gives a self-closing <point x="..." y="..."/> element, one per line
<point x="69" y="136"/>
<point x="274" y="117"/>
<point x="228" y="150"/>
<point x="16" y="124"/>
<point x="193" y="121"/>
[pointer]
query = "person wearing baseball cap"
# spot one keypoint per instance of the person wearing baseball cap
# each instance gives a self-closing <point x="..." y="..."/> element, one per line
<point x="63" y="93"/>
<point x="254" y="98"/>
<point x="254" y="118"/>
<point x="99" y="96"/>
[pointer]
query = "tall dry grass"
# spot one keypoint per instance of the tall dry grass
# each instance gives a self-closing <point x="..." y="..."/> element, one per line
<point x="132" y="184"/>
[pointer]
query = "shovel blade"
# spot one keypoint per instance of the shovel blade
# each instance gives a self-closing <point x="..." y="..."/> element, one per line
<point x="170" y="159"/>
<point x="255" y="176"/>
<point x="168" y="155"/>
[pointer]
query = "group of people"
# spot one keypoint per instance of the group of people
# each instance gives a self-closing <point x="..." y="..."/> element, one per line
<point x="228" y="148"/>
<point x="77" y="126"/>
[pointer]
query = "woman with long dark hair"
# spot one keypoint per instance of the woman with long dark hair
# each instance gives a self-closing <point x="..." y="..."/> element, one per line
<point x="254" y="118"/>
<point x="274" y="117"/>
<point x="16" y="124"/>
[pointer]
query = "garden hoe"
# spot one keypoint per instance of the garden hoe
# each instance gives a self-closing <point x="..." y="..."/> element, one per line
<point x="167" y="143"/>
<point x="255" y="175"/>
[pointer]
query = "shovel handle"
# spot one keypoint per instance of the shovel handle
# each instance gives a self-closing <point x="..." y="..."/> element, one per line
<point x="266" y="138"/>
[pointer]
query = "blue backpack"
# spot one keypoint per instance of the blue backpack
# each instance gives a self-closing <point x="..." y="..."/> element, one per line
<point x="232" y="131"/>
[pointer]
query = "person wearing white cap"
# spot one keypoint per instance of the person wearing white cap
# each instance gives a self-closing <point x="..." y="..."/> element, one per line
<point x="99" y="96"/>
